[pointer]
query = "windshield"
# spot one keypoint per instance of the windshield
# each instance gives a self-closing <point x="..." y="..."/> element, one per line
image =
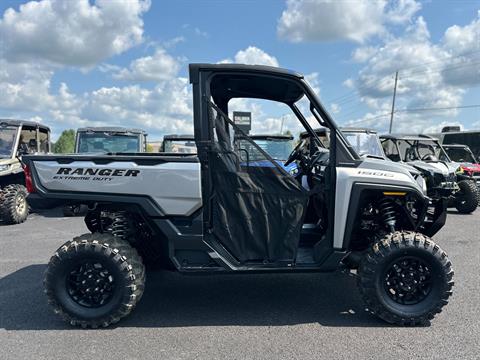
<point x="7" y="140"/>
<point x="106" y="142"/>
<point x="411" y="150"/>
<point x="179" y="146"/>
<point x="278" y="149"/>
<point x="459" y="154"/>
<point x="365" y="143"/>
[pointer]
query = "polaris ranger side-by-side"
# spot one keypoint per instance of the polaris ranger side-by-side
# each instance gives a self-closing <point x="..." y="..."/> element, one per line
<point x="18" y="138"/>
<point x="212" y="213"/>
<point x="445" y="179"/>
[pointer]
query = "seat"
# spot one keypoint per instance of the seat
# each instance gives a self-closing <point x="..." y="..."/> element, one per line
<point x="98" y="146"/>
<point x="131" y="146"/>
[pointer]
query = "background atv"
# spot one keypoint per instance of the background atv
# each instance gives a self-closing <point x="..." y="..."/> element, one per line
<point x="179" y="144"/>
<point x="110" y="140"/>
<point x="18" y="138"/>
<point x="465" y="157"/>
<point x="444" y="178"/>
<point x="105" y="140"/>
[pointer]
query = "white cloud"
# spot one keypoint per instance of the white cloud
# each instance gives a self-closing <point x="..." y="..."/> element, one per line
<point x="24" y="87"/>
<point x="75" y="33"/>
<point x="252" y="56"/>
<point x="335" y="108"/>
<point x="157" y="67"/>
<point x="364" y="53"/>
<point x="431" y="75"/>
<point x="401" y="11"/>
<point x="164" y="109"/>
<point x="463" y="44"/>
<point x="328" y="20"/>
<point x="460" y="40"/>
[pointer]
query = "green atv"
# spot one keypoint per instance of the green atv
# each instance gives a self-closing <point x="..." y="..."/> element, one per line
<point x="17" y="138"/>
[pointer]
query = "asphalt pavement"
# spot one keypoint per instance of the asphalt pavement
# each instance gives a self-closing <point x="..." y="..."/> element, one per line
<point x="294" y="316"/>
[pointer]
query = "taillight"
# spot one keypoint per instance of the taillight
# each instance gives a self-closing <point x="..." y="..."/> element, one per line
<point x="28" y="179"/>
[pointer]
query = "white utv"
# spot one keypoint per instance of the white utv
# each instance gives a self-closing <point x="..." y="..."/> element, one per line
<point x="445" y="178"/>
<point x="211" y="213"/>
<point x="18" y="138"/>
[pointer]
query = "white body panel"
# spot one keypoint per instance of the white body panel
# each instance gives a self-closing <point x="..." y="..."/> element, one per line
<point x="347" y="176"/>
<point x="174" y="186"/>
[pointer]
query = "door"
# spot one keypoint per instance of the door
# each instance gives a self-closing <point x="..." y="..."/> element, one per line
<point x="257" y="207"/>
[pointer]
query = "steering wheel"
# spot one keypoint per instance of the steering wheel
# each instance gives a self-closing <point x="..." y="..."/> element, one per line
<point x="296" y="152"/>
<point x="428" y="157"/>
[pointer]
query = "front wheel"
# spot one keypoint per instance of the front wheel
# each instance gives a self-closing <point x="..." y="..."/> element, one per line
<point x="405" y="279"/>
<point x="466" y="200"/>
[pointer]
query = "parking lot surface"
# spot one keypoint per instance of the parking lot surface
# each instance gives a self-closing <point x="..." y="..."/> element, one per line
<point x="306" y="316"/>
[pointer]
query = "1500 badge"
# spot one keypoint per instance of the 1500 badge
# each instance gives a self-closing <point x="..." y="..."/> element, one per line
<point x="105" y="174"/>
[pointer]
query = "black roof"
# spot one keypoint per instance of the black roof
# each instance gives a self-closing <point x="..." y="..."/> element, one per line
<point x="13" y="122"/>
<point x="178" y="137"/>
<point x="408" y="137"/>
<point x="111" y="129"/>
<point x="250" y="81"/>
<point x="196" y="67"/>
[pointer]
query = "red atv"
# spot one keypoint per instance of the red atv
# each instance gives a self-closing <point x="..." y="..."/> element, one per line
<point x="464" y="156"/>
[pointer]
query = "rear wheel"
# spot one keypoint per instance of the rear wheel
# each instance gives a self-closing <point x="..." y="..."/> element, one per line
<point x="94" y="280"/>
<point x="405" y="279"/>
<point x="13" y="204"/>
<point x="466" y="200"/>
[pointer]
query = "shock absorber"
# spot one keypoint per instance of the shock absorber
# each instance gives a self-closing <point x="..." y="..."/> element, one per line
<point x="386" y="207"/>
<point x="121" y="225"/>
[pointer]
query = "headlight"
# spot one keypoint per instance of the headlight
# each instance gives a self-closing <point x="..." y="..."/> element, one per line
<point x="422" y="183"/>
<point x="4" y="167"/>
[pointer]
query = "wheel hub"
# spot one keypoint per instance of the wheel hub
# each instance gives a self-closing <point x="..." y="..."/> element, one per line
<point x="408" y="281"/>
<point x="90" y="284"/>
<point x="20" y="204"/>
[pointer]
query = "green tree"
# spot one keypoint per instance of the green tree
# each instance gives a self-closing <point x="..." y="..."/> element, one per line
<point x="65" y="143"/>
<point x="150" y="148"/>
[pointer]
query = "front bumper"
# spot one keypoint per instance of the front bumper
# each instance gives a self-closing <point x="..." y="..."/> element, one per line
<point x="444" y="190"/>
<point x="437" y="216"/>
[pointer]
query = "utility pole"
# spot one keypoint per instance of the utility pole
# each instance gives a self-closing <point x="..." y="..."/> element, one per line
<point x="281" y="127"/>
<point x="393" y="102"/>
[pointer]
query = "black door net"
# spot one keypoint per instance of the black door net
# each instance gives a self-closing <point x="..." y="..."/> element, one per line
<point x="257" y="207"/>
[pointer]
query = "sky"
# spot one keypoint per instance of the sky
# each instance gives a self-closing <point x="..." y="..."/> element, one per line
<point x="76" y="63"/>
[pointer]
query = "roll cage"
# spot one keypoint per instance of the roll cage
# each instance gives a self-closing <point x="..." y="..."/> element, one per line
<point x="111" y="131"/>
<point x="411" y="152"/>
<point x="449" y="148"/>
<point x="35" y="144"/>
